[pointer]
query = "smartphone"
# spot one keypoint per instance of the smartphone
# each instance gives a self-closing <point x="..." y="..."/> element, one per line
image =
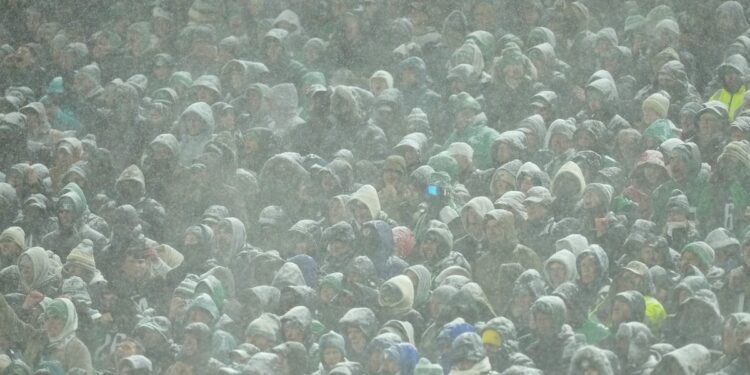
<point x="433" y="191"/>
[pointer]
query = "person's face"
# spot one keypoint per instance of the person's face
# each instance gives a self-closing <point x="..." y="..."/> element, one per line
<point x="457" y="86"/>
<point x="390" y="366"/>
<point x="194" y="125"/>
<point x="708" y="125"/>
<point x="678" y="168"/>
<point x="536" y="211"/>
<point x="293" y="332"/>
<point x="356" y="337"/>
<point x="513" y="71"/>
<point x="391" y="177"/>
<point x="653" y="174"/>
<point x="227" y="120"/>
<point x="190" y="345"/>
<point x="66" y="218"/>
<point x="620" y="313"/>
<point x="102" y="48"/>
<point x="559" y="143"/>
<point x="361" y="212"/>
<point x="591" y="200"/>
<point x="126" y="349"/>
<point x="525" y="183"/>
<point x="273" y="50"/>
<point x="132" y="41"/>
<point x="9" y="250"/>
<point x="504" y="153"/>
<point x="649" y="115"/>
<point x="557" y="273"/>
<point x="377" y="85"/>
<point x="418" y="17"/>
<point x="728" y="340"/>
<point x="26" y="268"/>
<point x="54" y="326"/>
<point x="732" y="81"/>
<point x="629" y="281"/>
<point x="134" y="269"/>
<point x="674" y="216"/>
<point x="666" y="81"/>
<point x="649" y="256"/>
<point x="338" y="248"/>
<point x="200" y="316"/>
<point x="150" y="339"/>
<point x="464" y="119"/>
<point x="529" y="15"/>
<point x="567" y="186"/>
<point x="429" y="247"/>
<point x="25" y="56"/>
<point x="374" y="361"/>
<point x="224" y="236"/>
<point x="503" y="184"/>
<point x="475" y="225"/>
<point x="327" y="181"/>
<point x="411" y="156"/>
<point x="203" y="94"/>
<point x="409" y="77"/>
<point x="351" y="28"/>
<point x="688" y="259"/>
<point x="327" y="294"/>
<point x="73" y="269"/>
<point x="585" y="141"/>
<point x="494" y="231"/>
<point x="589" y="270"/>
<point x="332" y="356"/>
<point x="543" y="325"/>
<point x="736" y="134"/>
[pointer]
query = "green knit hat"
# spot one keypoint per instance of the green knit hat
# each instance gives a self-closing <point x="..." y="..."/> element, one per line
<point x="703" y="251"/>
<point x="57" y="309"/>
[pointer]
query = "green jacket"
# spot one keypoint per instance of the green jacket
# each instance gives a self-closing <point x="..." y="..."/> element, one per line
<point x="480" y="137"/>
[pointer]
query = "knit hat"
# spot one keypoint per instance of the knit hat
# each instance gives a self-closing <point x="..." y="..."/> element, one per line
<point x="462" y="101"/>
<point x="417" y="121"/>
<point x="395" y="163"/>
<point x="737" y="150"/>
<point x="187" y="286"/>
<point x="658" y="102"/>
<point x="704" y="252"/>
<point x="462" y="149"/>
<point x="83" y="255"/>
<point x="424" y="367"/>
<point x="678" y="202"/>
<point x="15" y="235"/>
<point x="57" y="309"/>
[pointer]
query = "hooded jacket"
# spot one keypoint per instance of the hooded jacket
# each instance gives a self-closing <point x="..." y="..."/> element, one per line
<point x="591" y="358"/>
<point x="64" y="348"/>
<point x="591" y="292"/>
<point x="695" y="185"/>
<point x="334" y="341"/>
<point x="363" y="319"/>
<point x="691" y="359"/>
<point x="470" y="245"/>
<point x="192" y="145"/>
<point x="552" y="353"/>
<point x="508" y="354"/>
<point x="568" y="260"/>
<point x="477" y="134"/>
<point x="402" y="289"/>
<point x="563" y="206"/>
